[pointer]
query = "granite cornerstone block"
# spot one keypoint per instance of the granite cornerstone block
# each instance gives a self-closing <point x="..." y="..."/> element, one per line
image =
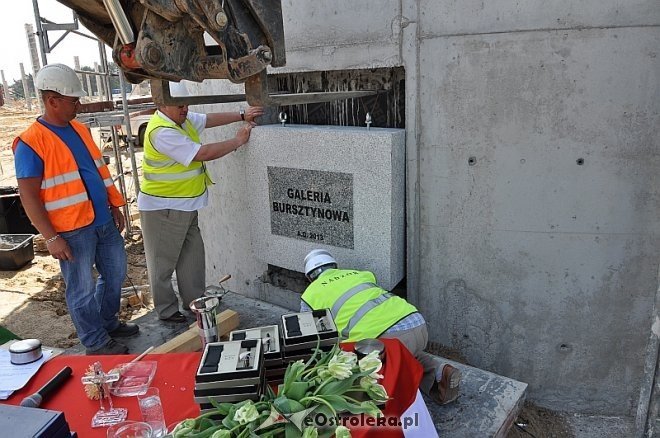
<point x="338" y="188"/>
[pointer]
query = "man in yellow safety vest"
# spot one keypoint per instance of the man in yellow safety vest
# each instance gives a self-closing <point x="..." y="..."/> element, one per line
<point x="363" y="310"/>
<point x="173" y="187"/>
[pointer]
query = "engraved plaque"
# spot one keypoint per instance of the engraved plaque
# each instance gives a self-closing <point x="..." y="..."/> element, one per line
<point x="311" y="205"/>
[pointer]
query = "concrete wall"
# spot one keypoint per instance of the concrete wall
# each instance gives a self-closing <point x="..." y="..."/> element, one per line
<point x="532" y="265"/>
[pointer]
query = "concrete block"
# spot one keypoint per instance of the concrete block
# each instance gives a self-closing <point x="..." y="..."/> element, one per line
<point x="459" y="17"/>
<point x="329" y="187"/>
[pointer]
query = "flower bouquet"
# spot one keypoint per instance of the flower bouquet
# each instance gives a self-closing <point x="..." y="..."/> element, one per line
<point x="329" y="385"/>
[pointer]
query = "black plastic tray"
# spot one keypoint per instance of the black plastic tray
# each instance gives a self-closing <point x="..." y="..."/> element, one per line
<point x="16" y="251"/>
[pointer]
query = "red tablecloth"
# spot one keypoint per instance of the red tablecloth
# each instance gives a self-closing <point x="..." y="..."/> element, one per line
<point x="402" y="374"/>
<point x="175" y="378"/>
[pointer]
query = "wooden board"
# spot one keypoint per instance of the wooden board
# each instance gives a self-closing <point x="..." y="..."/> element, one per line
<point x="189" y="340"/>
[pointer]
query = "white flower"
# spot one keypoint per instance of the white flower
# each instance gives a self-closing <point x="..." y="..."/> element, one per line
<point x="371" y="362"/>
<point x="342" y="432"/>
<point x="340" y="371"/>
<point x="377" y="392"/>
<point x="310" y="432"/>
<point x="341" y="365"/>
<point x="222" y="433"/>
<point x="371" y="408"/>
<point x="246" y="413"/>
<point x="366" y="382"/>
<point x="347" y="357"/>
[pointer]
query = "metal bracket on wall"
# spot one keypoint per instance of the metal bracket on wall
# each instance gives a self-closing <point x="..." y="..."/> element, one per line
<point x="256" y="94"/>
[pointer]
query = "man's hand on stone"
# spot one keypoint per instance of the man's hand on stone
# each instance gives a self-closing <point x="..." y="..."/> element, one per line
<point x="243" y="134"/>
<point x="253" y="112"/>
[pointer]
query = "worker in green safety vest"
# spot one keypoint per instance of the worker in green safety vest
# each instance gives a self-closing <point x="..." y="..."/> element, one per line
<point x="363" y="310"/>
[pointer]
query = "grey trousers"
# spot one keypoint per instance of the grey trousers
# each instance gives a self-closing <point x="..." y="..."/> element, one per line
<point x="415" y="340"/>
<point x="172" y="241"/>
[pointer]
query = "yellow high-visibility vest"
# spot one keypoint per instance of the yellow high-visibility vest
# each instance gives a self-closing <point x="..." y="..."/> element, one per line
<point x="165" y="177"/>
<point x="361" y="309"/>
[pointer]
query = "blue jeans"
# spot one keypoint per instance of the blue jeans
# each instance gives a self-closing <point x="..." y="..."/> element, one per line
<point x="94" y="307"/>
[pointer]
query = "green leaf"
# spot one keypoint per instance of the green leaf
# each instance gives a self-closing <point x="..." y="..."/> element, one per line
<point x="297" y="390"/>
<point x="270" y="394"/>
<point x="292" y="374"/>
<point x="229" y="422"/>
<point x="206" y="423"/>
<point x="325" y="357"/>
<point x="291" y="431"/>
<point x="317" y="350"/>
<point x="339" y="403"/>
<point x="341" y="386"/>
<point x="287" y="406"/>
<point x="222" y="408"/>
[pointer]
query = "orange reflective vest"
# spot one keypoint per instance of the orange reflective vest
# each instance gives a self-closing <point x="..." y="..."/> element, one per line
<point x="63" y="191"/>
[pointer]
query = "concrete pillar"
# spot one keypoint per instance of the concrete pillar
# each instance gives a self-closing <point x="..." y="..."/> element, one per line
<point x="26" y="91"/>
<point x="76" y="65"/>
<point x="5" y="88"/>
<point x="104" y="64"/>
<point x="34" y="57"/>
<point x="99" y="81"/>
<point x="88" y="79"/>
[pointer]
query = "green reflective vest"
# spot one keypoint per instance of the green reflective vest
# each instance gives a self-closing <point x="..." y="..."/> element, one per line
<point x="361" y="309"/>
<point x="165" y="177"/>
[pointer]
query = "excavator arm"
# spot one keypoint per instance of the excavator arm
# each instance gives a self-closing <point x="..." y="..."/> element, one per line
<point x="164" y="40"/>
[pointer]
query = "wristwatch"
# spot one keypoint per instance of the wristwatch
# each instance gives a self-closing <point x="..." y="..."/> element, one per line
<point x="242" y="113"/>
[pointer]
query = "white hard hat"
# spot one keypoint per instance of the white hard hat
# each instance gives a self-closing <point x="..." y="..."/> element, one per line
<point x="59" y="78"/>
<point x="317" y="258"/>
<point x="178" y="89"/>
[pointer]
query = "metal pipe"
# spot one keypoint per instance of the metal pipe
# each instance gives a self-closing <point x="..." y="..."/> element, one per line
<point x="59" y="39"/>
<point x="45" y="20"/>
<point x="92" y="73"/>
<point x="119" y="21"/>
<point x="40" y="32"/>
<point x="129" y="133"/>
<point x="106" y="69"/>
<point x="120" y="176"/>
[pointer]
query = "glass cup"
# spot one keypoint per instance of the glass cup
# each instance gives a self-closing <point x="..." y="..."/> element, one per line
<point x="152" y="411"/>
<point x="130" y="429"/>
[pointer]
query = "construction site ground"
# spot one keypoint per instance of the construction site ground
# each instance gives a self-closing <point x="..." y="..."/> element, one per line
<point x="32" y="304"/>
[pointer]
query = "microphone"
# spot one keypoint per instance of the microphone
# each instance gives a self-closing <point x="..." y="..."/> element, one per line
<point x="53" y="384"/>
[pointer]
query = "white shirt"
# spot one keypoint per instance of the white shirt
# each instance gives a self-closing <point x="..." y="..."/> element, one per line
<point x="181" y="149"/>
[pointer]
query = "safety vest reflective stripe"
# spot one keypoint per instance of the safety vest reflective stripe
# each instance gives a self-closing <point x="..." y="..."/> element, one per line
<point x="99" y="164"/>
<point x="156" y="163"/>
<point x="49" y="183"/>
<point x="336" y="308"/>
<point x="173" y="176"/>
<point x="66" y="202"/>
<point x="363" y="310"/>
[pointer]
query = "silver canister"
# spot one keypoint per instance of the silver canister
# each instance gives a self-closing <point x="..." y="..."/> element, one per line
<point x="366" y="346"/>
<point x="205" y="309"/>
<point x="25" y="351"/>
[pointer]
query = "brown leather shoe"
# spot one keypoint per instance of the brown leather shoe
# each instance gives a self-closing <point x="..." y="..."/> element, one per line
<point x="447" y="388"/>
<point x="178" y="317"/>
